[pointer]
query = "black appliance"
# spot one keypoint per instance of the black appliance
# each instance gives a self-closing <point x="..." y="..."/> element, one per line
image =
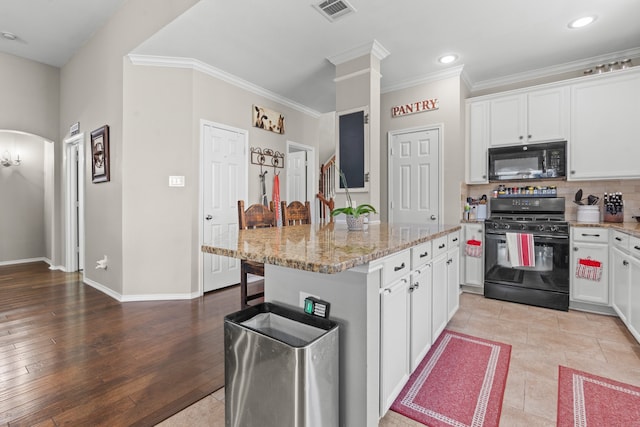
<point x="544" y="284"/>
<point x="530" y="161"/>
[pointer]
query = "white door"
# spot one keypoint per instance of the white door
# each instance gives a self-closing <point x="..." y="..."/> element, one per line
<point x="74" y="203"/>
<point x="414" y="161"/>
<point x="297" y="177"/>
<point x="224" y="172"/>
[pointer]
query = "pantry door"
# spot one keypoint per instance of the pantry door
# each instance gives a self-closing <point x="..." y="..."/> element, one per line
<point x="414" y="171"/>
<point x="224" y="182"/>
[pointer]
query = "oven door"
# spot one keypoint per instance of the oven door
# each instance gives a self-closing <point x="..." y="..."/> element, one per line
<point x="551" y="270"/>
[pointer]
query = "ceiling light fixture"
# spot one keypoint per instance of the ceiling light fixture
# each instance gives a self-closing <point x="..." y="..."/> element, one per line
<point x="8" y="36"/>
<point x="447" y="59"/>
<point x="582" y="22"/>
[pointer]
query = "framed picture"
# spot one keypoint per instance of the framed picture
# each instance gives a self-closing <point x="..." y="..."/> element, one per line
<point x="267" y="119"/>
<point x="100" y="154"/>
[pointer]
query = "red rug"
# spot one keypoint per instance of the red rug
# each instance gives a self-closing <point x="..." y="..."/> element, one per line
<point x="585" y="399"/>
<point x="460" y="383"/>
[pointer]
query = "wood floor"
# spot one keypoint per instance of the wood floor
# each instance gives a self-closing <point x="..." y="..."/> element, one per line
<point x="71" y="355"/>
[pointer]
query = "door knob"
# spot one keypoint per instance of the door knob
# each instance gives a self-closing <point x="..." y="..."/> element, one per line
<point x="208" y="217"/>
<point x="433" y="217"/>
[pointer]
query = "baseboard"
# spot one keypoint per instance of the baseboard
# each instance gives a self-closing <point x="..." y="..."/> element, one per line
<point x="592" y="308"/>
<point x="25" y="261"/>
<point x="160" y="297"/>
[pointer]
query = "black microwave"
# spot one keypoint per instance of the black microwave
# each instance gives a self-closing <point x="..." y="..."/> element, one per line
<point x="531" y="161"/>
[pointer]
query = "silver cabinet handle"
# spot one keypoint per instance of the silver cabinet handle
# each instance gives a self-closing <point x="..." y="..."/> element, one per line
<point x="424" y="254"/>
<point x="433" y="217"/>
<point x="398" y="268"/>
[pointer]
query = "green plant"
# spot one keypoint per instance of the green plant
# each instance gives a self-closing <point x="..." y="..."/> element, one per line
<point x="355" y="212"/>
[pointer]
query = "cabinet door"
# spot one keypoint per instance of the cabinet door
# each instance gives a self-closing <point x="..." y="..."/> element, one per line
<point x="620" y="282"/>
<point x="420" y="295"/>
<point x="508" y="120"/>
<point x="472" y="267"/>
<point x="439" y="296"/>
<point x="547" y="115"/>
<point x="605" y="127"/>
<point x="587" y="289"/>
<point x="394" y="341"/>
<point x="634" y="293"/>
<point x="453" y="282"/>
<point x="477" y="142"/>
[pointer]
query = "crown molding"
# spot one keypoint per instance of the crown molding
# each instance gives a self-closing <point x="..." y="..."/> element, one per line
<point x="374" y="48"/>
<point x="371" y="71"/>
<point x="428" y="78"/>
<point x="554" y="70"/>
<point x="194" y="64"/>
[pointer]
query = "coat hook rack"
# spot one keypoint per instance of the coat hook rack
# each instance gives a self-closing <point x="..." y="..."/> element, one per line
<point x="267" y="157"/>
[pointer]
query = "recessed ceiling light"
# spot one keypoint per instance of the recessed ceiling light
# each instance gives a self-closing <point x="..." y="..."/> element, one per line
<point x="9" y="36"/>
<point x="582" y="22"/>
<point x="447" y="59"/>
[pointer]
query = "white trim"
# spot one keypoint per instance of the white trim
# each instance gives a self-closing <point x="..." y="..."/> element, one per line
<point x="70" y="186"/>
<point x="428" y="78"/>
<point x="194" y="64"/>
<point x="554" y="70"/>
<point x="160" y="297"/>
<point x="371" y="71"/>
<point x="373" y="48"/>
<point x="25" y="261"/>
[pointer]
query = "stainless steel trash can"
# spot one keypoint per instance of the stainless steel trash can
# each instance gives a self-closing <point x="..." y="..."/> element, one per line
<point x="281" y="368"/>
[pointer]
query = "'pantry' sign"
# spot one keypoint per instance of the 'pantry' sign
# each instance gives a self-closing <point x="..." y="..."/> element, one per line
<point x="415" y="107"/>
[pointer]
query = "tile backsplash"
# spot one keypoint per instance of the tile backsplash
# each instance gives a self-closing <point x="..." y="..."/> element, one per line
<point x="630" y="189"/>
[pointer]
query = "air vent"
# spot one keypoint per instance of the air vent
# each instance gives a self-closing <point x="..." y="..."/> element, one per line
<point x="334" y="9"/>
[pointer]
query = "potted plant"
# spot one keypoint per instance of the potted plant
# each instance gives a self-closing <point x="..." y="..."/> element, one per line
<point x="355" y="215"/>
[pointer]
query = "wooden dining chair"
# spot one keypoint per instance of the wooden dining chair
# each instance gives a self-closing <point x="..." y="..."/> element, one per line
<point x="295" y="213"/>
<point x="255" y="216"/>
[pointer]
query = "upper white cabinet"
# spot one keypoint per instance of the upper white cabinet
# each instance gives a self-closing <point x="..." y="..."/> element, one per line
<point x="477" y="142"/>
<point x="533" y="116"/>
<point x="605" y="125"/>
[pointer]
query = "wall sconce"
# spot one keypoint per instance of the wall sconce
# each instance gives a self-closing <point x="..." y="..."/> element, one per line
<point x="6" y="161"/>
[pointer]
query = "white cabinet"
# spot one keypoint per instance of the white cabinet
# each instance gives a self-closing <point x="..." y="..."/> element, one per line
<point x="620" y="282"/>
<point x="477" y="142"/>
<point x="471" y="265"/>
<point x="394" y="340"/>
<point x="590" y="265"/>
<point x="439" y="308"/>
<point x="634" y="290"/>
<point x="533" y="116"/>
<point x="605" y="126"/>
<point x="420" y="304"/>
<point x="453" y="274"/>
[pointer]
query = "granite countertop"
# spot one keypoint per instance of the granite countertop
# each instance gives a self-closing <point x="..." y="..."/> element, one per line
<point x="323" y="248"/>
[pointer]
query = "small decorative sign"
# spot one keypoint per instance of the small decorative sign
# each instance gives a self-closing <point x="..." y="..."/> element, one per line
<point x="74" y="129"/>
<point x="589" y="269"/>
<point x="415" y="107"/>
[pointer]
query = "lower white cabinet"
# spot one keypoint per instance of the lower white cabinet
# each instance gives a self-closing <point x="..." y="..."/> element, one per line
<point x="634" y="291"/>
<point x="589" y="272"/>
<point x="472" y="265"/>
<point x="453" y="280"/>
<point x="420" y="313"/>
<point x="394" y="341"/>
<point x="439" y="308"/>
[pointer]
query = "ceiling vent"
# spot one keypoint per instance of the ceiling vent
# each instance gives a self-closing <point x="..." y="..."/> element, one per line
<point x="334" y="9"/>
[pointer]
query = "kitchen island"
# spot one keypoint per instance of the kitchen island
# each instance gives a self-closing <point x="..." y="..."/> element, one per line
<point x="346" y="269"/>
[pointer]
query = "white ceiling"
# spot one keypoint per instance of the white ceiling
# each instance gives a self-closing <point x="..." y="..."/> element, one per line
<point x="283" y="46"/>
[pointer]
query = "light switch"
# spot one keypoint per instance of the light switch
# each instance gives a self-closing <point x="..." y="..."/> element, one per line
<point x="176" y="181"/>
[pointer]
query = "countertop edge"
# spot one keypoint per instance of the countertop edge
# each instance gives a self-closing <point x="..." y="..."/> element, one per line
<point x="323" y="267"/>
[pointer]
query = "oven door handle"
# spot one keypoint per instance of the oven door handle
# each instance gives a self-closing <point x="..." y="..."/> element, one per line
<point x="503" y="236"/>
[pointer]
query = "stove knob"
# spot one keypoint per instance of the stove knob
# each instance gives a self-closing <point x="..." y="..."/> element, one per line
<point x="553" y="228"/>
<point x="541" y="227"/>
<point x="507" y="226"/>
<point x="523" y="226"/>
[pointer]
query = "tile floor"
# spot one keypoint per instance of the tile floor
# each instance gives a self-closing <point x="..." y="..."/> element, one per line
<point x="541" y="340"/>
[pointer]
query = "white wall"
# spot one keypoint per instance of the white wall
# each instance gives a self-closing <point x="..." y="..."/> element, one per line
<point x="450" y="115"/>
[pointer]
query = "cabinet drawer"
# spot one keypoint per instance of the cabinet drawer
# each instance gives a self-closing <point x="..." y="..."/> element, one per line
<point x="395" y="266"/>
<point x="420" y="254"/>
<point x="454" y="239"/>
<point x="634" y="246"/>
<point x="620" y="240"/>
<point x="590" y="234"/>
<point x="439" y="245"/>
